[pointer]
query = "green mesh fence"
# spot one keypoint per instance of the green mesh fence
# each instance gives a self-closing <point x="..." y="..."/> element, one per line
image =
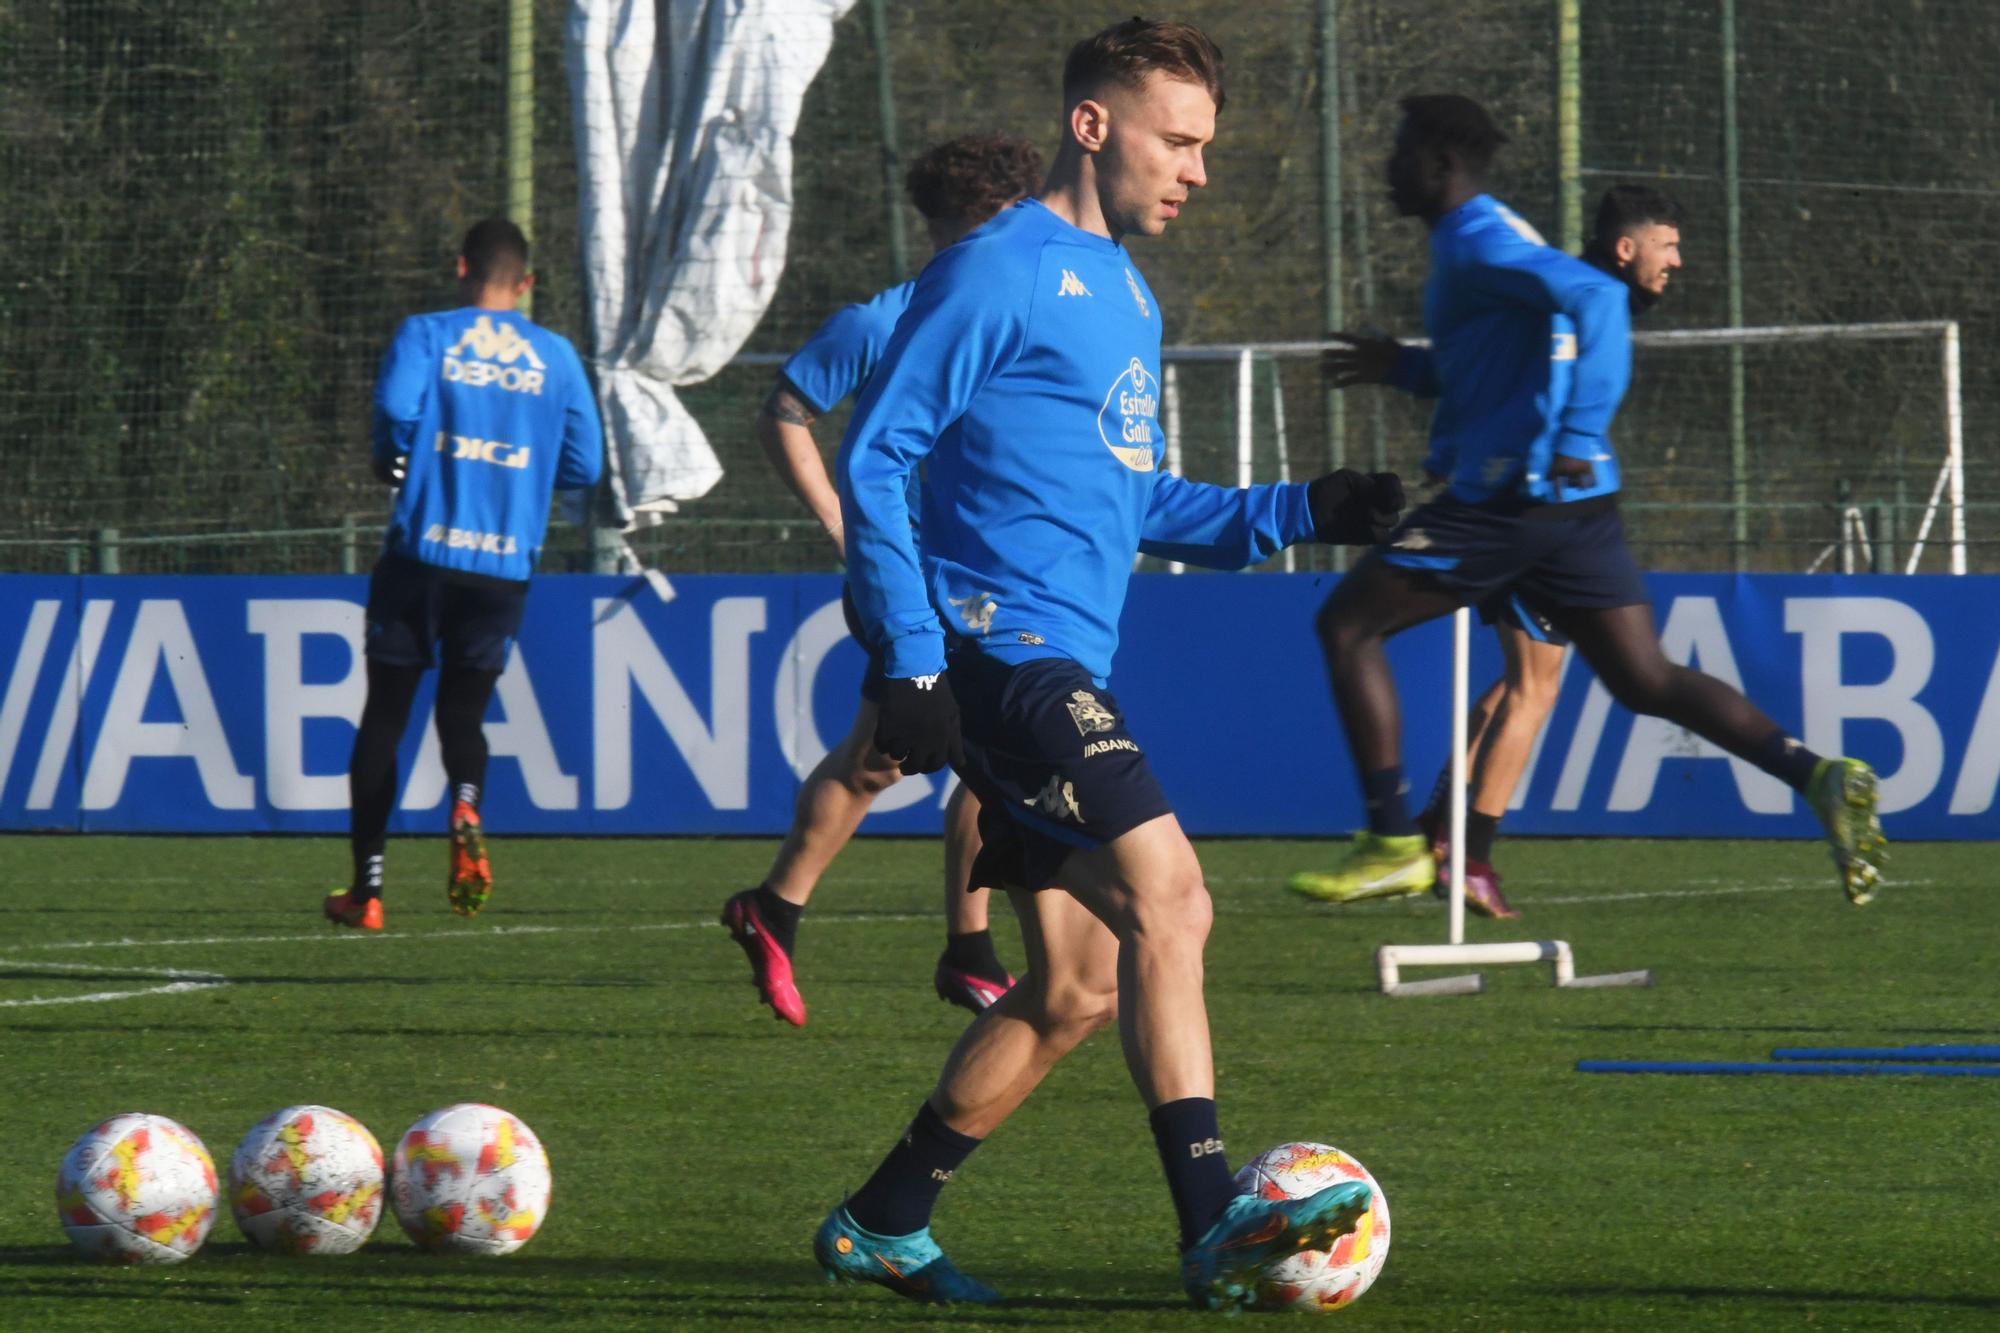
<point x="214" y="216"/>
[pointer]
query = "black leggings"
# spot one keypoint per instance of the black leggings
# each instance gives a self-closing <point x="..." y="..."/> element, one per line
<point x="462" y="697"/>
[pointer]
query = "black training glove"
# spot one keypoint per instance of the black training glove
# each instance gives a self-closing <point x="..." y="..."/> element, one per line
<point x="1568" y="471"/>
<point x="1355" y="510"/>
<point x="390" y="472"/>
<point x="916" y="724"/>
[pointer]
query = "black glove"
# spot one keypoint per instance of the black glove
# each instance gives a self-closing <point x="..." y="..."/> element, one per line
<point x="916" y="724"/>
<point x="1353" y="510"/>
<point x="1567" y="471"/>
<point x="391" y="472"/>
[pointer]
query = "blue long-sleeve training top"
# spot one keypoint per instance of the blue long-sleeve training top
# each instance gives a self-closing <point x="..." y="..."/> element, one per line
<point x="493" y="412"/>
<point x="1531" y="350"/>
<point x="838" y="359"/>
<point x="1027" y="372"/>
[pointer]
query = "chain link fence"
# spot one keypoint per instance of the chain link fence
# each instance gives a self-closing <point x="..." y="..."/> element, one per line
<point x="214" y="217"/>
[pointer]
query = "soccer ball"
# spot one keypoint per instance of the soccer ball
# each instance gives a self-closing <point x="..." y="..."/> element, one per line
<point x="307" y="1180"/>
<point x="1318" y="1280"/>
<point x="470" y="1179"/>
<point x="137" y="1189"/>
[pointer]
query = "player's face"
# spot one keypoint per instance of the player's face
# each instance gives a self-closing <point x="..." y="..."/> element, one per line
<point x="1411" y="184"/>
<point x="1151" y="160"/>
<point x="1650" y="255"/>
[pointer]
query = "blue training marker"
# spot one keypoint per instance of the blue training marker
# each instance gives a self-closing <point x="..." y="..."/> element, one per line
<point x="1752" y="1067"/>
<point x="1886" y="1053"/>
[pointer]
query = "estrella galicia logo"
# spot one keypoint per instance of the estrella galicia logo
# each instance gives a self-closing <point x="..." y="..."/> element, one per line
<point x="1130" y="411"/>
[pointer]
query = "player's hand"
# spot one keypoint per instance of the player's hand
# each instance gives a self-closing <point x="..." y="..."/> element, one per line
<point x="1366" y="359"/>
<point x="390" y="472"/>
<point x="1568" y="471"/>
<point x="1355" y="510"/>
<point x="916" y="724"/>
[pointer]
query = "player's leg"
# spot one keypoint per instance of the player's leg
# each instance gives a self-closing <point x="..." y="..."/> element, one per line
<point x="1373" y="602"/>
<point x="371" y="787"/>
<point x="460" y="715"/>
<point x="1622" y="646"/>
<point x="969" y="973"/>
<point x="477" y="625"/>
<point x="1531" y="676"/>
<point x="402" y="616"/>
<point x="882" y="1233"/>
<point x="830" y="806"/>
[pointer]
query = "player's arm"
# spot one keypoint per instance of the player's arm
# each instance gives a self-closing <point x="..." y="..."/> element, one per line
<point x="784" y="429"/>
<point x="962" y="326"/>
<point x="1225" y="527"/>
<point x="581" y="461"/>
<point x="401" y="387"/>
<point x="1550" y="281"/>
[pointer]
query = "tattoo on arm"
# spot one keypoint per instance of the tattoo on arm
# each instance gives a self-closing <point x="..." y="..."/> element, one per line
<point x="784" y="404"/>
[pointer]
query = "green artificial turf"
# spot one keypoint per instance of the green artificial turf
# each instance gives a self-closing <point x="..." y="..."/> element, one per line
<point x="697" y="1142"/>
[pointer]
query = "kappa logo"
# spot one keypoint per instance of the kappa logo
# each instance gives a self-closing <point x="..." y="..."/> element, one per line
<point x="1133" y="400"/>
<point x="1089" y="713"/>
<point x="1057" y="800"/>
<point x="1072" y="285"/>
<point x="487" y="353"/>
<point x="977" y="611"/>
<point x="1096" y="748"/>
<point x="1132" y="281"/>
<point x="1564" y="347"/>
<point x="1416" y="539"/>
<point x="498" y="452"/>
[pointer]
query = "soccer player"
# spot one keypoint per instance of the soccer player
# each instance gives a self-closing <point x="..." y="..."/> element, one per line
<point x="479" y="415"/>
<point x="1531" y="351"/>
<point x="1637" y="239"/>
<point x="957" y="186"/>
<point x="1025" y="378"/>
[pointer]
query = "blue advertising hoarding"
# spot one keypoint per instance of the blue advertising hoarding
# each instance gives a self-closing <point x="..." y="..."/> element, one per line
<point x="227" y="704"/>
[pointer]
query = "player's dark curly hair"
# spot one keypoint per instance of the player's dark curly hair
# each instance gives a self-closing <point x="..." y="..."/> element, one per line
<point x="1626" y="208"/>
<point x="972" y="177"/>
<point x="1125" y="53"/>
<point x="1455" y="123"/>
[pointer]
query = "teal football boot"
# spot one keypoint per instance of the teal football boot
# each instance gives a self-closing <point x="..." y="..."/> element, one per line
<point x="911" y="1265"/>
<point x="1221" y="1270"/>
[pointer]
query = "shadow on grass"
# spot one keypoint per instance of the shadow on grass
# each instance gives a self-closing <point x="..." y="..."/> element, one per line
<point x="1781" y="1296"/>
<point x="401" y="1278"/>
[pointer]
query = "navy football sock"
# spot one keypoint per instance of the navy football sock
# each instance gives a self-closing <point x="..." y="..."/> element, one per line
<point x="1383" y="792"/>
<point x="1197" y="1172"/>
<point x="781" y="916"/>
<point x="899" y="1197"/>
<point x="1479" y="834"/>
<point x="1785" y="759"/>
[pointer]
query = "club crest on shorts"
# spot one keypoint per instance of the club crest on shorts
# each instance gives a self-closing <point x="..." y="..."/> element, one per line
<point x="1088" y="713"/>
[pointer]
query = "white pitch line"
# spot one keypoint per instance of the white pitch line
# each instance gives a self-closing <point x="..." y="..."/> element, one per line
<point x="347" y="937"/>
<point x="199" y="981"/>
<point x="1792" y="886"/>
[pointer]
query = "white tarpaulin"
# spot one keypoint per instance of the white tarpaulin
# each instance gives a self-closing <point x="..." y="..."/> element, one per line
<point x="684" y="116"/>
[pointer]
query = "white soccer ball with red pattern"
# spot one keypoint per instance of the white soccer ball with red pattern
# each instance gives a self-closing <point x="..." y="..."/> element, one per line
<point x="307" y="1180"/>
<point x="470" y="1179"/>
<point x="1318" y="1280"/>
<point x="137" y="1189"/>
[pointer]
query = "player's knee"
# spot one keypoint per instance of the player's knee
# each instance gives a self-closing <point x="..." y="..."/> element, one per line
<point x="1176" y="911"/>
<point x="1079" y="1006"/>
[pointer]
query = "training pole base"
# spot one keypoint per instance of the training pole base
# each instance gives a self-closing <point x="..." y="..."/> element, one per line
<point x="1391" y="959"/>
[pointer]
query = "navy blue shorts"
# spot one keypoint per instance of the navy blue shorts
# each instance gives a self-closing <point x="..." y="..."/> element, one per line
<point x="1055" y="770"/>
<point x="873" y="678"/>
<point x="413" y="607"/>
<point x="1506" y="608"/>
<point x="1552" y="561"/>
